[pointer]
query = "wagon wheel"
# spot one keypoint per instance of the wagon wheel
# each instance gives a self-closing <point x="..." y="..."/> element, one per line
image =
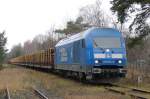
<point x="81" y="76"/>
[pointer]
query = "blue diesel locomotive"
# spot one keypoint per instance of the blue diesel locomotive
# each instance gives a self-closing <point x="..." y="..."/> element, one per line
<point x="94" y="53"/>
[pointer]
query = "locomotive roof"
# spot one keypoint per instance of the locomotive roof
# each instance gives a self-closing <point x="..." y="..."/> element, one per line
<point x="83" y="34"/>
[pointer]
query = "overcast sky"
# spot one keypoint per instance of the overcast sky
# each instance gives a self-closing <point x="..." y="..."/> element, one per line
<point x="24" y="19"/>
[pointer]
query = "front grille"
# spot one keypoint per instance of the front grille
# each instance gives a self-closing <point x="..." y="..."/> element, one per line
<point x="108" y="66"/>
<point x="108" y="61"/>
<point x="109" y="70"/>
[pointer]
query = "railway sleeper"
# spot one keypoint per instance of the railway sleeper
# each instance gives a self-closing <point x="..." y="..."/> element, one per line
<point x="137" y="96"/>
<point x="116" y="91"/>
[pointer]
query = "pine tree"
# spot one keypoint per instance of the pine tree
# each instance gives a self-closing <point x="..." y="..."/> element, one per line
<point x="73" y="27"/>
<point x="3" y="50"/>
<point x="139" y="25"/>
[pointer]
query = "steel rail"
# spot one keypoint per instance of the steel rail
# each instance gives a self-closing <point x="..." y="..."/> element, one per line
<point x="7" y="93"/>
<point x="40" y="93"/>
<point x="129" y="92"/>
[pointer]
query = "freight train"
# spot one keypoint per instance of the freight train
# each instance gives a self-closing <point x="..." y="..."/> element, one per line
<point x="92" y="54"/>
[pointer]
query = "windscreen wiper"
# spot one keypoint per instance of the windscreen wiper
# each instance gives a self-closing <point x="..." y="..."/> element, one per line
<point x="98" y="46"/>
<point x="95" y="44"/>
<point x="101" y="48"/>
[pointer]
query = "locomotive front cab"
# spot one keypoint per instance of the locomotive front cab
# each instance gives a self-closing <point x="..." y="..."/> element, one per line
<point x="109" y="56"/>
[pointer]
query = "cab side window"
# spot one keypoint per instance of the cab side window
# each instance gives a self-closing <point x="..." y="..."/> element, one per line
<point x="76" y="52"/>
<point x="83" y="43"/>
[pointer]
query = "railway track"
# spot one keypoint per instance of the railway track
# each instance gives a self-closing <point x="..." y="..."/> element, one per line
<point x="37" y="94"/>
<point x="134" y="93"/>
<point x="7" y="93"/>
<point x="40" y="94"/>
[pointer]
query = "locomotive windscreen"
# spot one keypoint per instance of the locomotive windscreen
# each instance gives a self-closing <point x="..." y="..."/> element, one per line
<point x="107" y="42"/>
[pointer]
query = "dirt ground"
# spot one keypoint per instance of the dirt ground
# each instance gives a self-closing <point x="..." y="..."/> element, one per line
<point x="21" y="80"/>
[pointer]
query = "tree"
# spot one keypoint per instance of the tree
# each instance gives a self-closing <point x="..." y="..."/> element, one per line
<point x="94" y="15"/>
<point x="52" y="37"/>
<point x="139" y="26"/>
<point x="27" y="47"/>
<point x="73" y="27"/>
<point x="15" y="51"/>
<point x="3" y="50"/>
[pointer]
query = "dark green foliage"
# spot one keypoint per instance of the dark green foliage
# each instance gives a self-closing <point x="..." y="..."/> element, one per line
<point x="73" y="27"/>
<point x="122" y="6"/>
<point x="16" y="51"/>
<point x="3" y="50"/>
<point x="139" y="40"/>
<point x="134" y="41"/>
<point x="139" y="25"/>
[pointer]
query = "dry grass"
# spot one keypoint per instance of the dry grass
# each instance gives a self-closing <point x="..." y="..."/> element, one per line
<point x="132" y="80"/>
<point x="13" y="78"/>
<point x="18" y="78"/>
<point x="63" y="86"/>
<point x="101" y="96"/>
<point x="21" y="78"/>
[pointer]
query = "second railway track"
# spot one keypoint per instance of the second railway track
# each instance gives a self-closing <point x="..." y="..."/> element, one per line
<point x="40" y="94"/>
<point x="37" y="94"/>
<point x="133" y="92"/>
<point x="7" y="93"/>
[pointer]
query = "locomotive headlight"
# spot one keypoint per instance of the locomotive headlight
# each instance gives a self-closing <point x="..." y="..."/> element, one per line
<point x="119" y="61"/>
<point x="96" y="61"/>
<point x="107" y="50"/>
